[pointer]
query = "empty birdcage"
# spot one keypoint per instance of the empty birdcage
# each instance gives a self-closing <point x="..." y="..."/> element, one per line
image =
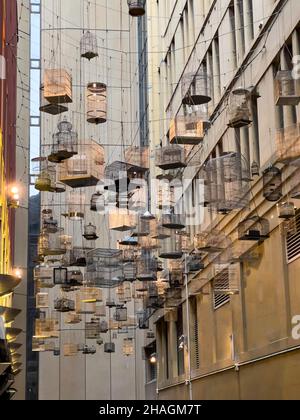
<point x="70" y="349"/>
<point x="77" y="256"/>
<point x="100" y="311"/>
<point x="86" y="300"/>
<point x="295" y="185"/>
<point x="42" y="300"/>
<point x="51" y="108"/>
<point x="120" y="314"/>
<point x="92" y="329"/>
<point x="90" y="232"/>
<point x="147" y="267"/>
<point x="51" y="243"/>
<point x="65" y="142"/>
<point x="84" y="169"/>
<point x="64" y="305"/>
<point x="196" y="88"/>
<point x="103" y="327"/>
<point x="172" y="221"/>
<point x="136" y="7"/>
<point x="57" y="86"/>
<point x="173" y="247"/>
<point x="254" y="228"/>
<point x="97" y="202"/>
<point x="122" y="220"/>
<point x="72" y="318"/>
<point x="96" y="97"/>
<point x="228" y="183"/>
<point x="76" y="205"/>
<point x="226" y="279"/>
<point x="286" y="210"/>
<point x="287" y="88"/>
<point x="88" y="45"/>
<point x="128" y="347"/>
<point x="188" y="129"/>
<point x="173" y="298"/>
<point x="46" y="328"/>
<point x="157" y="231"/>
<point x="195" y="263"/>
<point x="123" y="292"/>
<point x="45" y="174"/>
<point x="137" y="158"/>
<point x="143" y="319"/>
<point x="43" y="276"/>
<point x="104" y="268"/>
<point x="175" y="274"/>
<point x="49" y="224"/>
<point x="288" y="145"/>
<point x="210" y="241"/>
<point x="272" y="184"/>
<point x="170" y="157"/>
<point x="109" y="348"/>
<point x="239" y="108"/>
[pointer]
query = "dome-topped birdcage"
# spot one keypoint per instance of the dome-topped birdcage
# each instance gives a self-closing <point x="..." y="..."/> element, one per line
<point x="84" y="169"/>
<point x="171" y="220"/>
<point x="63" y="305"/>
<point x="51" y="243"/>
<point x="228" y="183"/>
<point x="57" y="86"/>
<point x="88" y="45"/>
<point x="45" y="173"/>
<point x="51" y="108"/>
<point x="196" y="88"/>
<point x="136" y="7"/>
<point x="97" y="202"/>
<point x="170" y="157"/>
<point x="288" y="145"/>
<point x="90" y="232"/>
<point x="211" y="241"/>
<point x="272" y="184"/>
<point x="65" y="142"/>
<point x="188" y="129"/>
<point x="105" y="267"/>
<point x="49" y="224"/>
<point x="96" y="97"/>
<point x="254" y="228"/>
<point x="239" y="108"/>
<point x="287" y="89"/>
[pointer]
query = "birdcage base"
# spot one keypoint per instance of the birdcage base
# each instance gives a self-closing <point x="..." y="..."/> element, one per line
<point x="109" y="348"/>
<point x="59" y="99"/>
<point x="53" y="109"/>
<point x="172" y="255"/>
<point x="59" y="189"/>
<point x="76" y="215"/>
<point x="123" y="228"/>
<point x="239" y="122"/>
<point x="186" y="140"/>
<point x="210" y="249"/>
<point x="146" y="277"/>
<point x="60" y="156"/>
<point x="93" y="237"/>
<point x="196" y="100"/>
<point x="78" y="262"/>
<point x="90" y="55"/>
<point x="174" y="165"/>
<point x="96" y="120"/>
<point x="43" y="185"/>
<point x="287" y="100"/>
<point x="295" y="195"/>
<point x="253" y="235"/>
<point x="52" y="252"/>
<point x="80" y="181"/>
<point x="172" y="226"/>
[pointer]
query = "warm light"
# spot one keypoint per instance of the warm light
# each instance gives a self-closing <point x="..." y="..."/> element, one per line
<point x="153" y="359"/>
<point x="14" y="190"/>
<point x="18" y="273"/>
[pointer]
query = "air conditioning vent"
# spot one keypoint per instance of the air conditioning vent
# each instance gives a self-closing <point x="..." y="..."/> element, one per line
<point x="220" y="288"/>
<point x="293" y="239"/>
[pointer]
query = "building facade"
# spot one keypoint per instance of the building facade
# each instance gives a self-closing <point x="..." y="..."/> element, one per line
<point x="231" y="335"/>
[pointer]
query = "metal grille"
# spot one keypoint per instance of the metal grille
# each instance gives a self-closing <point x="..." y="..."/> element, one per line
<point x="293" y="240"/>
<point x="221" y="282"/>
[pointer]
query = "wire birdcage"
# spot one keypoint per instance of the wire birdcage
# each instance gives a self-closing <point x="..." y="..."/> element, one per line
<point x="239" y="109"/>
<point x="84" y="169"/>
<point x="143" y="319"/>
<point x="76" y="205"/>
<point x="49" y="224"/>
<point x="92" y="329"/>
<point x="90" y="232"/>
<point x="173" y="298"/>
<point x="120" y="314"/>
<point x="77" y="256"/>
<point x="228" y="183"/>
<point x="105" y="267"/>
<point x="72" y="318"/>
<point x="96" y="97"/>
<point x="51" y="108"/>
<point x="64" y="305"/>
<point x="175" y="274"/>
<point x="286" y="210"/>
<point x="137" y="158"/>
<point x="123" y="292"/>
<point x="65" y="142"/>
<point x="196" y="88"/>
<point x="295" y="185"/>
<point x="100" y="311"/>
<point x="109" y="348"/>
<point x="122" y="220"/>
<point x="147" y="267"/>
<point x="211" y="241"/>
<point x="42" y="300"/>
<point x="171" y="220"/>
<point x="45" y="174"/>
<point x="51" y="243"/>
<point x="170" y="157"/>
<point x="86" y="300"/>
<point x="287" y="89"/>
<point x="188" y="129"/>
<point x="128" y="347"/>
<point x="57" y="86"/>
<point x="136" y="7"/>
<point x="97" y="202"/>
<point x="70" y="349"/>
<point x="272" y="184"/>
<point x="88" y="46"/>
<point x="173" y="247"/>
<point x="43" y="276"/>
<point x="103" y="327"/>
<point x="46" y="328"/>
<point x="254" y="228"/>
<point x="288" y="145"/>
<point x="157" y="231"/>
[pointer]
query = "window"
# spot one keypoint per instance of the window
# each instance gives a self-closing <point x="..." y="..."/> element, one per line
<point x="293" y="240"/>
<point x="220" y="285"/>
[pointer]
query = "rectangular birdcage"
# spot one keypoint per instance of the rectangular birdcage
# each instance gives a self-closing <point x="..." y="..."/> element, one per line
<point x="173" y="299"/>
<point x="123" y="292"/>
<point x="170" y="157"/>
<point x="54" y="108"/>
<point x="51" y="244"/>
<point x="287" y="89"/>
<point x="70" y="349"/>
<point x="84" y="169"/>
<point x="173" y="247"/>
<point x="122" y="220"/>
<point x="137" y="158"/>
<point x="64" y="305"/>
<point x="42" y="300"/>
<point x="72" y="318"/>
<point x="46" y="328"/>
<point x="147" y="267"/>
<point x="43" y="276"/>
<point x="288" y="145"/>
<point x="121" y="314"/>
<point x="57" y="86"/>
<point x="86" y="301"/>
<point x="92" y="330"/>
<point x="188" y="129"/>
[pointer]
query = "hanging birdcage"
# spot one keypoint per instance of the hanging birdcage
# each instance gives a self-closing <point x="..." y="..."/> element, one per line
<point x="104" y="267"/>
<point x="239" y="108"/>
<point x="143" y="319"/>
<point x="175" y="274"/>
<point x="295" y="185"/>
<point x="45" y="173"/>
<point x="142" y="228"/>
<point x="123" y="292"/>
<point x="96" y="97"/>
<point x="170" y="157"/>
<point x="64" y="305"/>
<point x="272" y="184"/>
<point x="103" y="327"/>
<point x="195" y="264"/>
<point x="211" y="241"/>
<point x="109" y="348"/>
<point x="51" y="108"/>
<point x="168" y="192"/>
<point x="147" y="267"/>
<point x="77" y="256"/>
<point x="288" y="145"/>
<point x="100" y="311"/>
<point x="86" y="300"/>
<point x="120" y="314"/>
<point x="46" y="328"/>
<point x="188" y="129"/>
<point x="243" y="251"/>
<point x="57" y="86"/>
<point x="72" y="318"/>
<point x="49" y="224"/>
<point x="287" y="89"/>
<point x="97" y="202"/>
<point x="286" y="210"/>
<point x="129" y="248"/>
<point x="226" y="279"/>
<point x="170" y="220"/>
<point x="254" y="228"/>
<point x="89" y="46"/>
<point x="173" y="298"/>
<point x="86" y="168"/>
<point x="157" y="231"/>
<point x="122" y="220"/>
<point x="140" y="289"/>
<point x="92" y="329"/>
<point x="90" y="232"/>
<point x="128" y="347"/>
<point x="65" y="142"/>
<point x="136" y="7"/>
<point x="70" y="349"/>
<point x="76" y="205"/>
<point x="228" y="183"/>
<point x="42" y="300"/>
<point x="196" y="88"/>
<point x="173" y="247"/>
<point x="137" y="158"/>
<point x="43" y="276"/>
<point x="51" y="243"/>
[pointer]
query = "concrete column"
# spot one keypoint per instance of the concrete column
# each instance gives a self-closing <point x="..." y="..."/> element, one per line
<point x="239" y="30"/>
<point x="216" y="72"/>
<point x="248" y="22"/>
<point x="288" y="111"/>
<point x="172" y="346"/>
